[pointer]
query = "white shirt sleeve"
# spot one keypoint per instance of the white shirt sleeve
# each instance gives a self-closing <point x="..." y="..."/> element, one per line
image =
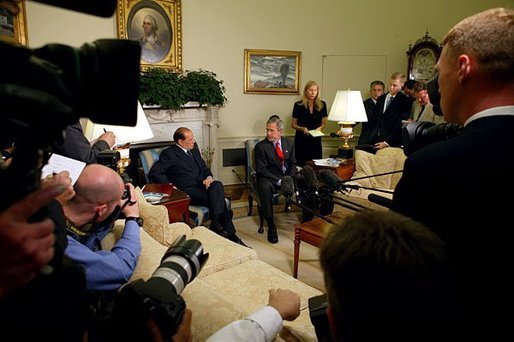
<point x="263" y="325"/>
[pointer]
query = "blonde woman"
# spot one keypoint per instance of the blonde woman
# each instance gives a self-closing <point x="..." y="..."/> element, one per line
<point x="310" y="113"/>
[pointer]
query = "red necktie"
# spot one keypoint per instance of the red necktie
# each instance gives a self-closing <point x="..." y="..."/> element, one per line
<point x="279" y="153"/>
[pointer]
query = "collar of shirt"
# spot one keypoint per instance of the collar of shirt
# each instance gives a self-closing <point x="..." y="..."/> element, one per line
<point x="183" y="149"/>
<point x="278" y="141"/>
<point x="495" y="111"/>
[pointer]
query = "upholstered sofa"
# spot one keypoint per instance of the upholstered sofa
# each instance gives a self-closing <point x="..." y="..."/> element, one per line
<point x="232" y="284"/>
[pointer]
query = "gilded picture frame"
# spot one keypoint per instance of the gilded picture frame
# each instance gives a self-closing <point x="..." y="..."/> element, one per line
<point x="272" y="71"/>
<point x="157" y="25"/>
<point x="13" y="26"/>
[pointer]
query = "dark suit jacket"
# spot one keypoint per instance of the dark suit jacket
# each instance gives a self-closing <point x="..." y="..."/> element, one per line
<point x="176" y="167"/>
<point x="389" y="123"/>
<point x="460" y="188"/>
<point x="267" y="163"/>
<point x="76" y="146"/>
<point x="369" y="126"/>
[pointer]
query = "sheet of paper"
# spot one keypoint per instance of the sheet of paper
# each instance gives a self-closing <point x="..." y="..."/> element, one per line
<point x="316" y="133"/>
<point x="332" y="162"/>
<point x="58" y="163"/>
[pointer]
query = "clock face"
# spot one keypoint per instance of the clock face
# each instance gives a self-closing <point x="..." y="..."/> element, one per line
<point x="423" y="64"/>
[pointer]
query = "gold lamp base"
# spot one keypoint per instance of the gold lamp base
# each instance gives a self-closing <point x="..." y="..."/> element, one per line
<point x="345" y="133"/>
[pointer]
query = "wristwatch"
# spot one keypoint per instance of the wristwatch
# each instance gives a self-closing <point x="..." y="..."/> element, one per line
<point x="138" y="220"/>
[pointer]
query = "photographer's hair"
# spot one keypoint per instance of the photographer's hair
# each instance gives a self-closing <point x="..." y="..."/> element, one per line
<point x="179" y="134"/>
<point x="419" y="86"/>
<point x="276" y="119"/>
<point x="384" y="270"/>
<point x="317" y="100"/>
<point x="489" y="37"/>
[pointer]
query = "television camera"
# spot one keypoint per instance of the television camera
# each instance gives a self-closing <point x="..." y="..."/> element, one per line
<point x="42" y="91"/>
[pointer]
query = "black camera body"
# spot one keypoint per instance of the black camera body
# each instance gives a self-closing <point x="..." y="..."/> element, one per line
<point x="109" y="158"/>
<point x="318" y="313"/>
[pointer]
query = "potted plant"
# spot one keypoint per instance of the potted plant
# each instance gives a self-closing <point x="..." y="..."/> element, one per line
<point x="166" y="89"/>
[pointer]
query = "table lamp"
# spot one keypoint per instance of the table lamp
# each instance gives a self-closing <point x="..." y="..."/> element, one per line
<point x="125" y="135"/>
<point x="347" y="109"/>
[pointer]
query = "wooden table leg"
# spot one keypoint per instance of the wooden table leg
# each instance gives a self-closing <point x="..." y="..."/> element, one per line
<point x="296" y="249"/>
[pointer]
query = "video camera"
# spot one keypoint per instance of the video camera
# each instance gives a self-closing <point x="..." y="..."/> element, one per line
<point x="418" y="134"/>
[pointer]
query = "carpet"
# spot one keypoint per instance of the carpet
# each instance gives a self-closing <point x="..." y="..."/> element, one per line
<point x="281" y="254"/>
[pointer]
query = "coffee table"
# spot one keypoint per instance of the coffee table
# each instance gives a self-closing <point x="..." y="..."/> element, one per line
<point x="313" y="232"/>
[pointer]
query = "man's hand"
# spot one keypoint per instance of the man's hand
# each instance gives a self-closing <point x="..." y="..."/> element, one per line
<point x="381" y="145"/>
<point x="133" y="208"/>
<point x="26" y="247"/>
<point x="184" y="333"/>
<point x="109" y="137"/>
<point x="207" y="182"/>
<point x="286" y="302"/>
<point x="64" y="179"/>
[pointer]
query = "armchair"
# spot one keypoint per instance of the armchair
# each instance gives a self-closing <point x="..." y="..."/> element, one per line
<point x="200" y="214"/>
<point x="251" y="178"/>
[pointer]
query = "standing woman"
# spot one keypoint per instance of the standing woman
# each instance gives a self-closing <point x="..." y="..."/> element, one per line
<point x="308" y="114"/>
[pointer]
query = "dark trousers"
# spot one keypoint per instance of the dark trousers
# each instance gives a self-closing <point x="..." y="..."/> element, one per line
<point x="266" y="189"/>
<point x="214" y="199"/>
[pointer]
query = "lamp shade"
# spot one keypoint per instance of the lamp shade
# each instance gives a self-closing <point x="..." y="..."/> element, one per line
<point x="124" y="134"/>
<point x="348" y="107"/>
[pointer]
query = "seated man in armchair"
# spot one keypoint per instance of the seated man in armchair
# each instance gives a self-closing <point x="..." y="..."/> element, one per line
<point x="183" y="166"/>
<point x="274" y="159"/>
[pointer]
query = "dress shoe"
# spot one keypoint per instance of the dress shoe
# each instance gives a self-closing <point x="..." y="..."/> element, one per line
<point x="218" y="229"/>
<point x="272" y="235"/>
<point x="240" y="242"/>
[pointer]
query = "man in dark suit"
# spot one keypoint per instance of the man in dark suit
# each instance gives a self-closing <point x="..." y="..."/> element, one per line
<point x="376" y="89"/>
<point x="183" y="166"/>
<point x="391" y="109"/>
<point x="274" y="159"/>
<point x="458" y="187"/>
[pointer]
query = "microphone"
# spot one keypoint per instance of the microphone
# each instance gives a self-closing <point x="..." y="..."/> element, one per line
<point x="287" y="187"/>
<point x="310" y="178"/>
<point x="331" y="180"/>
<point x="380" y="200"/>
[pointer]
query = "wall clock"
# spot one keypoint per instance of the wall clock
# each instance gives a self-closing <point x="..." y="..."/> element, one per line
<point x="423" y="56"/>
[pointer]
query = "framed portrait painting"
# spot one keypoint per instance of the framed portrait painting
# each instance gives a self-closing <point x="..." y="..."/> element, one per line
<point x="157" y="25"/>
<point x="272" y="71"/>
<point x="13" y="28"/>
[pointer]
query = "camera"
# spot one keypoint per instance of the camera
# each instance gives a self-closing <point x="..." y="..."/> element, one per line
<point x="159" y="297"/>
<point x="418" y="134"/>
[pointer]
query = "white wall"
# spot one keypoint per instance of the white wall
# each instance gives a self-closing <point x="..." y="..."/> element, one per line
<point x="215" y="33"/>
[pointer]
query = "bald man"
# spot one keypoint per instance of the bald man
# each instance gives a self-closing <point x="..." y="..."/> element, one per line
<point x="100" y="195"/>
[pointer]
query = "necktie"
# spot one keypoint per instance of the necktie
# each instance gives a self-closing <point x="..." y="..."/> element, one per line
<point x="391" y="98"/>
<point x="189" y="153"/>
<point x="279" y="153"/>
<point x="421" y="112"/>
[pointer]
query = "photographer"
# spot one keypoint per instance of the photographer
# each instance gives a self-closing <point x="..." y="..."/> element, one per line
<point x="469" y="176"/>
<point x="100" y="197"/>
<point x="387" y="279"/>
<point x="76" y="146"/>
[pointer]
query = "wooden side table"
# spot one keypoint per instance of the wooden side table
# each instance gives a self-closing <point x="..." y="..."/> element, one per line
<point x="313" y="232"/>
<point x="344" y="170"/>
<point x="177" y="202"/>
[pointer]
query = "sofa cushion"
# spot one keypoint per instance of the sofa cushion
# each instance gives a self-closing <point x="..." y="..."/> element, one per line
<point x="246" y="286"/>
<point x="385" y="160"/>
<point x="156" y="222"/>
<point x="223" y="253"/>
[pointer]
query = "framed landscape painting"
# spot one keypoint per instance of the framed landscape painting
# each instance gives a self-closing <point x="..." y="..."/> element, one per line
<point x="272" y="71"/>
